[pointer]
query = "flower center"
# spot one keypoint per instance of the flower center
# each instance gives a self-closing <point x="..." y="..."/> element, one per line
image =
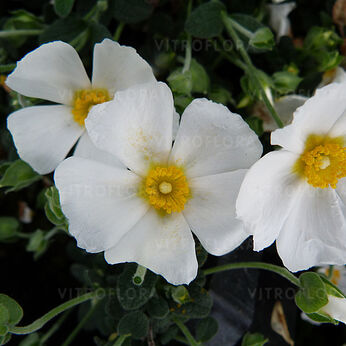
<point x="323" y="161"/>
<point x="166" y="188"/>
<point x="84" y="100"/>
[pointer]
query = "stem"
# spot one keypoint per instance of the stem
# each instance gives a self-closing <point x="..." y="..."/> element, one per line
<point x="23" y="32"/>
<point x="7" y="68"/>
<point x="55" y="327"/>
<point x="186" y="332"/>
<point x="139" y="275"/>
<point x="188" y="52"/>
<point x="330" y="272"/>
<point x="121" y="339"/>
<point x="118" y="31"/>
<point x="80" y="325"/>
<point x="255" y="265"/>
<point x="242" y="30"/>
<point x="39" y="323"/>
<point x="252" y="71"/>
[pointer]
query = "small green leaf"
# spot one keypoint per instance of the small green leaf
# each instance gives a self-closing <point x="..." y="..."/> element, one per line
<point x="256" y="125"/>
<point x="158" y="307"/>
<point x="221" y="95"/>
<point x="321" y="318"/>
<point x="206" y="329"/>
<point x="53" y="208"/>
<point x="132" y="11"/>
<point x="263" y="39"/>
<point x="312" y="295"/>
<point x="63" y="7"/>
<point x="135" y="323"/>
<point x="18" y="175"/>
<point x="200" y="78"/>
<point x="14" y="309"/>
<point x="205" y="20"/>
<point x="286" y="82"/>
<point x="4" y="315"/>
<point x="255" y="339"/>
<point x="37" y="243"/>
<point x="5" y="339"/>
<point x="180" y="82"/>
<point x="8" y="227"/>
<point x="66" y="30"/>
<point x="3" y="330"/>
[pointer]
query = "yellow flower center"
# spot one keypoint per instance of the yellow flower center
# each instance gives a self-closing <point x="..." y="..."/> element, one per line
<point x="84" y="100"/>
<point x="336" y="276"/>
<point x="166" y="188"/>
<point x="323" y="161"/>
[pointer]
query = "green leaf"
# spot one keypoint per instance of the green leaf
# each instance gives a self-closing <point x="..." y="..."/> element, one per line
<point x="199" y="306"/>
<point x="37" y="243"/>
<point x="256" y="124"/>
<point x="263" y="39"/>
<point x="131" y="296"/>
<point x="312" y="295"/>
<point x="5" y="339"/>
<point x="205" y="20"/>
<point x="132" y="11"/>
<point x="4" y="315"/>
<point x="63" y="7"/>
<point x="180" y="82"/>
<point x="3" y="330"/>
<point x="200" y="78"/>
<point x="53" y="208"/>
<point x="255" y="339"/>
<point x="14" y="309"/>
<point x="286" y="82"/>
<point x="18" y="175"/>
<point x="135" y="323"/>
<point x="321" y="318"/>
<point x="8" y="227"/>
<point x="206" y="329"/>
<point x="221" y="95"/>
<point x="158" y="307"/>
<point x="251" y="32"/>
<point x="64" y="29"/>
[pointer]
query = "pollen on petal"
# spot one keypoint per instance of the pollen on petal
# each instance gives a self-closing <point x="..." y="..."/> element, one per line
<point x="84" y="100"/>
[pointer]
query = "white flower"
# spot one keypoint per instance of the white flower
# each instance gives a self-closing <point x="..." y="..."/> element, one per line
<point x="297" y="195"/>
<point x="44" y="135"/>
<point x="278" y="18"/>
<point x="145" y="213"/>
<point x="336" y="308"/>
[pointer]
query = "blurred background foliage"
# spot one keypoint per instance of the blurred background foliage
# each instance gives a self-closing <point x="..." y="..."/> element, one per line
<point x="40" y="264"/>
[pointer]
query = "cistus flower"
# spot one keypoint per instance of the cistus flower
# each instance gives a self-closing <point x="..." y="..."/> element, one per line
<point x="145" y="213"/>
<point x="43" y="135"/>
<point x="297" y="195"/>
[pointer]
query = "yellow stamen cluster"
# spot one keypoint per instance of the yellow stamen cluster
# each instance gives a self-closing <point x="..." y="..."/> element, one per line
<point x="84" y="100"/>
<point x="323" y="161"/>
<point x="166" y="188"/>
<point x="336" y="276"/>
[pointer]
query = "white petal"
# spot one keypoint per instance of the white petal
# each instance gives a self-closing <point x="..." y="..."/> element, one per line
<point x="43" y="135"/>
<point x="85" y="148"/>
<point x="278" y="18"/>
<point x="317" y="116"/>
<point x="51" y="72"/>
<point x="100" y="201"/>
<point x="175" y="128"/>
<point x="314" y="233"/>
<point x="163" y="244"/>
<point x="117" y="67"/>
<point x="136" y="126"/>
<point x="267" y="196"/>
<point x="211" y="211"/>
<point x="339" y="128"/>
<point x="213" y="140"/>
<point x="336" y="308"/>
